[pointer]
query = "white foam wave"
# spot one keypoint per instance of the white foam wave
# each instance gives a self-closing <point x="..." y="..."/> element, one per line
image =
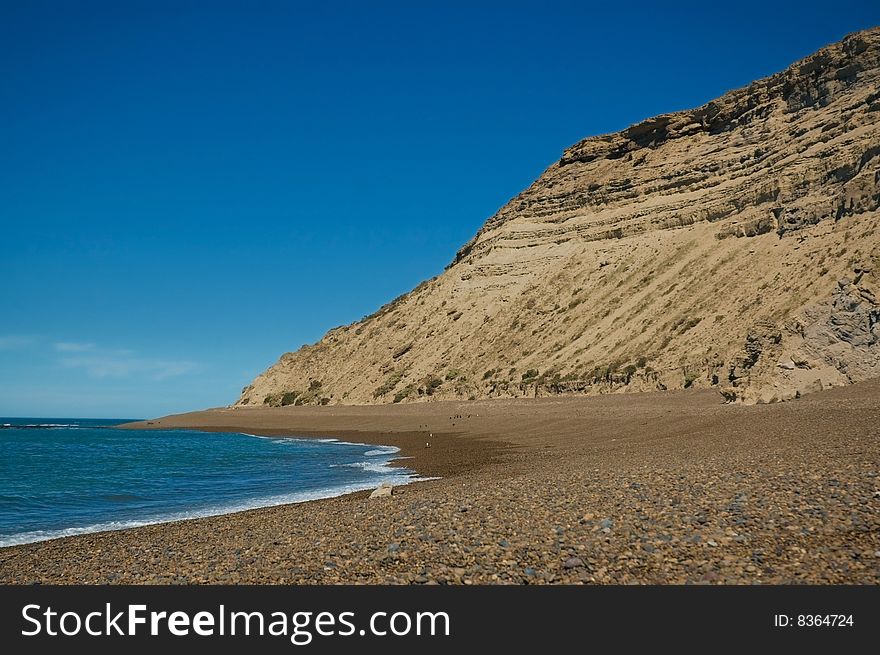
<point x="373" y="452"/>
<point x="384" y="450"/>
<point x="372" y="467"/>
<point x="297" y="439"/>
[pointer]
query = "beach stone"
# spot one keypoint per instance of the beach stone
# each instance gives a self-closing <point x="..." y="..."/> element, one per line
<point x="573" y="563"/>
<point x="383" y="490"/>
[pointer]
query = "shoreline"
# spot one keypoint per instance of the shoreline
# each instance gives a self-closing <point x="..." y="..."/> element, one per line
<point x="648" y="488"/>
<point x="410" y="455"/>
<point x="451" y="452"/>
<point x="292" y="498"/>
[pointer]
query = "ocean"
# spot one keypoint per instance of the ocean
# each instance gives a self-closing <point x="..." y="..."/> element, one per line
<point x="62" y="477"/>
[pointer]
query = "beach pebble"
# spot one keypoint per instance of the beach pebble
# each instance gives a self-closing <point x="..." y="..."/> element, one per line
<point x="384" y="489"/>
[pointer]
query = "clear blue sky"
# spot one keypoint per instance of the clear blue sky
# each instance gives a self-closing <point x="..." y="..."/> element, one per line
<point x="189" y="189"/>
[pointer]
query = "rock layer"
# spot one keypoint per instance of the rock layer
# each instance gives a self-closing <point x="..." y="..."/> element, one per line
<point x="732" y="246"/>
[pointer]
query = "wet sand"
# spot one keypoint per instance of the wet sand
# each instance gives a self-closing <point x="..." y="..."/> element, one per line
<point x="630" y="488"/>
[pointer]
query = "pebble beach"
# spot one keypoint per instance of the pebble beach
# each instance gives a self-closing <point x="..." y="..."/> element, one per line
<point x="660" y="488"/>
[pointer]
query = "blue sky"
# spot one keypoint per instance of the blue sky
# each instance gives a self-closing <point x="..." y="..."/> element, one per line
<point x="189" y="189"/>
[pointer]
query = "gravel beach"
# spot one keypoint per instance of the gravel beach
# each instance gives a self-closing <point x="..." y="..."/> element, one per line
<point x="628" y="488"/>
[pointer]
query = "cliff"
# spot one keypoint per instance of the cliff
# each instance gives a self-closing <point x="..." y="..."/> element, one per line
<point x="732" y="246"/>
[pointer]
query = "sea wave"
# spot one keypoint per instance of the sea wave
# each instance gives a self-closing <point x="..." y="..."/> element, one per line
<point x="372" y="467"/>
<point x="384" y="450"/>
<point x="282" y="439"/>
<point x="268" y="501"/>
<point x="374" y="460"/>
<point x="33" y="426"/>
<point x="373" y="452"/>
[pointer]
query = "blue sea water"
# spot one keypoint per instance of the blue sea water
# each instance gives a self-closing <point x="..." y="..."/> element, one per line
<point x="61" y="477"/>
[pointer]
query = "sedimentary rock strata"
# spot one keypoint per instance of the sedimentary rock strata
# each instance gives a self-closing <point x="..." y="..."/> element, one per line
<point x="732" y="246"/>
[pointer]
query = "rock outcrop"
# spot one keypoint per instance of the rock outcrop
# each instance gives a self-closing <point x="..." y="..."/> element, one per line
<point x="733" y="246"/>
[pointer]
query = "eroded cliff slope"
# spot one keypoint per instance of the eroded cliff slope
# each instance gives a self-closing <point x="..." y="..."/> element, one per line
<point x="733" y="246"/>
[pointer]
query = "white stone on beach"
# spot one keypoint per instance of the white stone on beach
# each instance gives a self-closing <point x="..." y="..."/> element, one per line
<point x="382" y="490"/>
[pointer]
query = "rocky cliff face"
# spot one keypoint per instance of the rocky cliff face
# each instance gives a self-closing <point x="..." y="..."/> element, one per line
<point x="733" y="246"/>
